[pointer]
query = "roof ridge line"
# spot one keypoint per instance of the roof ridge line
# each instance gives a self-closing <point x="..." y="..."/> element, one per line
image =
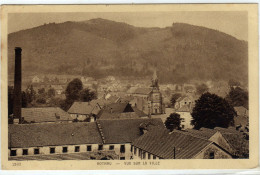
<point x="189" y="134"/>
<point x="100" y="131"/>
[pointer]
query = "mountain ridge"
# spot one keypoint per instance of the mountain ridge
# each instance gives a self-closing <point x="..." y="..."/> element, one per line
<point x="100" y="47"/>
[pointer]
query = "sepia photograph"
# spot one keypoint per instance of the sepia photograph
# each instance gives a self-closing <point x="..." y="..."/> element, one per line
<point x="128" y="86"/>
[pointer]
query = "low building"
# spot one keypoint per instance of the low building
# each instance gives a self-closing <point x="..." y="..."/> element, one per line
<point x="100" y="137"/>
<point x="84" y="111"/>
<point x="45" y="139"/>
<point x="45" y="115"/>
<point x="160" y="144"/>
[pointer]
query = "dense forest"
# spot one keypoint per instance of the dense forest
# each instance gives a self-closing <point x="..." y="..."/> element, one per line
<point x="100" y="47"/>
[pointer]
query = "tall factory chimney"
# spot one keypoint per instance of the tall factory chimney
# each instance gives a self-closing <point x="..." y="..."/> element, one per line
<point x="18" y="85"/>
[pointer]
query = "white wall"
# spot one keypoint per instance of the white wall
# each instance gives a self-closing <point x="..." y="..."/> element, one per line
<point x="186" y="119"/>
<point x="141" y="157"/>
<point x="127" y="153"/>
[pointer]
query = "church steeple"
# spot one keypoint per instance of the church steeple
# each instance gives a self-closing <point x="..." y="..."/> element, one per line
<point x="155" y="83"/>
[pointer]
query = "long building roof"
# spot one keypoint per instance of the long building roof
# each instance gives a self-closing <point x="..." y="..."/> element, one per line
<point x="45" y="114"/>
<point x="162" y="144"/>
<point x="34" y="135"/>
<point x="100" y="132"/>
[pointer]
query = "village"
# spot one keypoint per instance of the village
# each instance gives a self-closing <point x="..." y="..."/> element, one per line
<point x="118" y="119"/>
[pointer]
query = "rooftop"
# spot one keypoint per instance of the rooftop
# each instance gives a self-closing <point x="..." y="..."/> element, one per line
<point x="144" y="91"/>
<point x="33" y="135"/>
<point x="118" y="110"/>
<point x="125" y="130"/>
<point x="162" y="143"/>
<point x="45" y="114"/>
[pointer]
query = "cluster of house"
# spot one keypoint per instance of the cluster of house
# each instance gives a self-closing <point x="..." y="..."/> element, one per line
<point x="118" y="128"/>
<point x="114" y="128"/>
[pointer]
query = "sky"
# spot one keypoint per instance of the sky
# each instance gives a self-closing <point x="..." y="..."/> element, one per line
<point x="234" y="23"/>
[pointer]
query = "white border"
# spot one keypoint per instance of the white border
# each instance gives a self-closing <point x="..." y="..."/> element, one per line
<point x="128" y="172"/>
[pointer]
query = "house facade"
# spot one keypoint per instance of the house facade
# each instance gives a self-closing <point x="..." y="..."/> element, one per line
<point x="185" y="115"/>
<point x="184" y="101"/>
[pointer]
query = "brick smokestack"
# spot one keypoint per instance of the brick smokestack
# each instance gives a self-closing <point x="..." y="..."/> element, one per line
<point x="18" y="84"/>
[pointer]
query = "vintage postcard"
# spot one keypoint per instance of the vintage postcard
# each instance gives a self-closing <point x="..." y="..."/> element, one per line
<point x="129" y="87"/>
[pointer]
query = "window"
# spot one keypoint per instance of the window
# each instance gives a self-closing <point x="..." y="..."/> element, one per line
<point x="100" y="147"/>
<point x="111" y="147"/>
<point x="89" y="148"/>
<point x="211" y="155"/>
<point x="76" y="148"/>
<point x="25" y="151"/>
<point x="134" y="150"/>
<point x="154" y="157"/>
<point x="64" y="149"/>
<point x="122" y="148"/>
<point x="122" y="158"/>
<point x="149" y="156"/>
<point x="140" y="153"/>
<point x="36" y="151"/>
<point x="182" y="126"/>
<point x="144" y="155"/>
<point x="52" y="150"/>
<point x="13" y="153"/>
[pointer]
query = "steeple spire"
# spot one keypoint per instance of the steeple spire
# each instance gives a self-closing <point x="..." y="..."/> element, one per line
<point x="155" y="80"/>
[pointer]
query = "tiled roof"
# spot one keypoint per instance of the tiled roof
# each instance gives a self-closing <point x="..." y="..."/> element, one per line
<point x="82" y="108"/>
<point x="33" y="135"/>
<point x="119" y="110"/>
<point x="204" y="133"/>
<point x="124" y="130"/>
<point x="161" y="143"/>
<point x="145" y="91"/>
<point x="93" y="106"/>
<point x="45" y="114"/>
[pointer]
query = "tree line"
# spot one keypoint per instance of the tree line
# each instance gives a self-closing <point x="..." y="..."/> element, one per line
<point x="42" y="97"/>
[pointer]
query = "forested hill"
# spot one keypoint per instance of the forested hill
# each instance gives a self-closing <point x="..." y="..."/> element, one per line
<point x="100" y="47"/>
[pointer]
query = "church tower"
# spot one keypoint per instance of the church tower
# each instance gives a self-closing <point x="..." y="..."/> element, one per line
<point x="156" y="96"/>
